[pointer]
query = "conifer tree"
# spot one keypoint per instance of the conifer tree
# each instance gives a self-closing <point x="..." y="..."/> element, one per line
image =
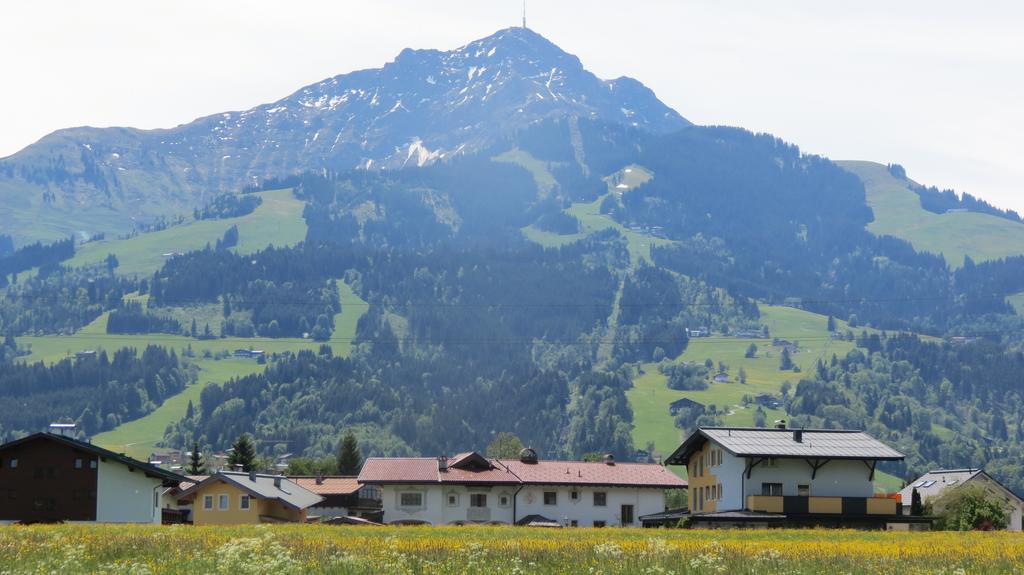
<point x="243" y="453"/>
<point x="350" y="459"/>
<point x="196" y="465"/>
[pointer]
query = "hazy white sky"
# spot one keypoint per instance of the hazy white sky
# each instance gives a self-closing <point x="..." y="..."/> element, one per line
<point x="935" y="85"/>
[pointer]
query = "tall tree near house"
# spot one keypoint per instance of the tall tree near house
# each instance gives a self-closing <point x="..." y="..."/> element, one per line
<point x="196" y="466"/>
<point x="505" y="445"/>
<point x="916" y="507"/>
<point x="243" y="453"/>
<point x="350" y="459"/>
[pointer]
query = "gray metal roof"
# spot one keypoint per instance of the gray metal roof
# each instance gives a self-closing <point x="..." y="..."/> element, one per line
<point x="782" y="443"/>
<point x="934" y="482"/>
<point x="264" y="487"/>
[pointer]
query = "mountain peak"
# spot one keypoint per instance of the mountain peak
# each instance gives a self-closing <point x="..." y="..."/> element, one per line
<point x="424" y="106"/>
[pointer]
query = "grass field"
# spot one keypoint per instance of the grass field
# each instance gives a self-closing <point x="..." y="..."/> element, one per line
<point x="139" y="437"/>
<point x="294" y="549"/>
<point x="537" y="168"/>
<point x="1017" y="301"/>
<point x="592" y="220"/>
<point x="898" y="212"/>
<point x="650" y="396"/>
<point x="278" y="221"/>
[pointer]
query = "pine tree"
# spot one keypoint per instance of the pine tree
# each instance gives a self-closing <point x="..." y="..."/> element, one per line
<point x="190" y="411"/>
<point x="831" y="325"/>
<point x="243" y="453"/>
<point x="196" y="466"/>
<point x="193" y="331"/>
<point x="350" y="460"/>
<point x="916" y="507"/>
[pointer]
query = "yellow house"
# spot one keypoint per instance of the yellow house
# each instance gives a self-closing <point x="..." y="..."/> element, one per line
<point x="233" y="498"/>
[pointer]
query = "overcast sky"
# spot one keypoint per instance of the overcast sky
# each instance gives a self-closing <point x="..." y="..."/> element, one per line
<point x="937" y="86"/>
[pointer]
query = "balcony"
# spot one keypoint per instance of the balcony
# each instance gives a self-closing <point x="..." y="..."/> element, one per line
<point x="794" y="504"/>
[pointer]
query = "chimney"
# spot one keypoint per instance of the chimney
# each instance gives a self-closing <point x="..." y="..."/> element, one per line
<point x="277" y="481"/>
<point x="798" y="435"/>
<point x="780" y="424"/>
<point x="320" y="479"/>
<point x="252" y="475"/>
<point x="442" y="463"/>
<point x="609" y="459"/>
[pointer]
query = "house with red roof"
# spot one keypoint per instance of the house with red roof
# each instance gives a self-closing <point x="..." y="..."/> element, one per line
<point x="470" y="488"/>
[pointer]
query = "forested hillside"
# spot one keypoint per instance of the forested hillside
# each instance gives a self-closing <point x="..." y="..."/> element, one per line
<point x="577" y="244"/>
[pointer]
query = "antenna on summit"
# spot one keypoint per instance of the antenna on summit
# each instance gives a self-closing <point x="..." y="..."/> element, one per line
<point x="524" y="13"/>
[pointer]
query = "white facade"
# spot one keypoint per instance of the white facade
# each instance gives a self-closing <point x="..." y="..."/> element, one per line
<point x="585" y="511"/>
<point x="124" y="496"/>
<point x="442" y="504"/>
<point x="714" y="469"/>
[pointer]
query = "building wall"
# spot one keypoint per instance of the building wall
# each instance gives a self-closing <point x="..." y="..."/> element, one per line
<point x="46" y="485"/>
<point x="728" y="473"/>
<point x="436" y="509"/>
<point x="644" y="501"/>
<point x="278" y="510"/>
<point x="1013" y="505"/>
<point x="838" y="478"/>
<point x="125" y="496"/>
<point x="233" y="515"/>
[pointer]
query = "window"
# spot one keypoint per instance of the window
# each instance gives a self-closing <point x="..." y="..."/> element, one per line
<point x="574" y="495"/>
<point x="410" y="500"/>
<point x="803" y="490"/>
<point x="243" y="502"/>
<point x="14" y="463"/>
<point x="478" y="500"/>
<point x="600" y="499"/>
<point x="550" y="498"/>
<point x="771" y="489"/>
<point x="208" y="502"/>
<point x="44" y="504"/>
<point x="928" y="484"/>
<point x="503" y="501"/>
<point x="78" y="463"/>
<point x="719" y="491"/>
<point x="627" y="515"/>
<point x="223" y="502"/>
<point x="92" y="464"/>
<point x="600" y="523"/>
<point x="919" y="484"/>
<point x="453" y="500"/>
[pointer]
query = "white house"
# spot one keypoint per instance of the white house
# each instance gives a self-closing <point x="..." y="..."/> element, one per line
<point x="761" y="476"/>
<point x="48" y="478"/>
<point x="934" y="483"/>
<point x="470" y="488"/>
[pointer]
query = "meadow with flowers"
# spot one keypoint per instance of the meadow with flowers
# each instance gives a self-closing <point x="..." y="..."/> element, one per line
<point x="286" y="549"/>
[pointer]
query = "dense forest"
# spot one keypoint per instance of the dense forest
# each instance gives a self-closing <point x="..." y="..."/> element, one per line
<point x="470" y="330"/>
<point x="97" y="392"/>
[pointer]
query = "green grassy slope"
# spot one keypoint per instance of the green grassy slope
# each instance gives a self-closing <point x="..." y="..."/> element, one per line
<point x="898" y="212"/>
<point x="650" y="396"/>
<point x="592" y="220"/>
<point x="278" y="221"/>
<point x="139" y="437"/>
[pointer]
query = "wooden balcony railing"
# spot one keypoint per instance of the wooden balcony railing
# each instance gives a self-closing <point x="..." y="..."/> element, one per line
<point x="823" y="505"/>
